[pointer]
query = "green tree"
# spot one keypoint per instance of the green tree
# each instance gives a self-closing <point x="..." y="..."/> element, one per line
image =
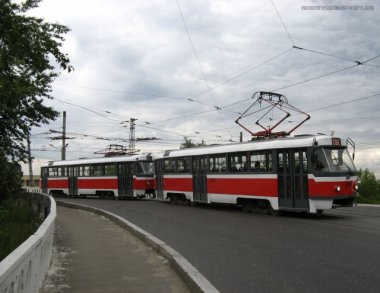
<point x="27" y="47"/>
<point x="27" y="44"/>
<point x="10" y="179"/>
<point x="369" y="187"/>
<point x="188" y="143"/>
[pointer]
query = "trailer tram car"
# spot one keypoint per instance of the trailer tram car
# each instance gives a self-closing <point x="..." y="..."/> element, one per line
<point x="307" y="173"/>
<point x="116" y="177"/>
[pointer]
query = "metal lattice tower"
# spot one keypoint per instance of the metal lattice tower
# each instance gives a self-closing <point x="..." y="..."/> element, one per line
<point x="132" y="138"/>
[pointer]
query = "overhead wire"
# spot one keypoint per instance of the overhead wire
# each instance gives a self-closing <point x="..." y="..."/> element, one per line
<point x="192" y="98"/>
<point x="98" y="136"/>
<point x="222" y="108"/>
<point x="244" y="72"/>
<point x="201" y="67"/>
<point x="118" y="92"/>
<point x="169" y="131"/>
<point x="357" y="63"/>
<point x="183" y="116"/>
<point x="279" y="16"/>
<point x="308" y="80"/>
<point x="325" y="54"/>
<point x="86" y="109"/>
<point x="235" y="77"/>
<point x="371" y="59"/>
<point x="180" y="117"/>
<point x="209" y="89"/>
<point x="345" y="102"/>
<point x="316" y="77"/>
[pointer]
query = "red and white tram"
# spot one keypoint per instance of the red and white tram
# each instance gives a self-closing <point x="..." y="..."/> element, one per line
<point x="303" y="173"/>
<point x="117" y="177"/>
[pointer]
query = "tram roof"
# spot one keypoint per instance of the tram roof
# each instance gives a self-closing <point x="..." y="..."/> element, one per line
<point x="88" y="161"/>
<point x="256" y="145"/>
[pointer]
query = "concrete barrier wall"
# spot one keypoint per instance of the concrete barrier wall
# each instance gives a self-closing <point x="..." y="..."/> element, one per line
<point x="25" y="268"/>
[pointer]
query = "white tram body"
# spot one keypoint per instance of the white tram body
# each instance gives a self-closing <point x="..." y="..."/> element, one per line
<point x="117" y="177"/>
<point x="308" y="173"/>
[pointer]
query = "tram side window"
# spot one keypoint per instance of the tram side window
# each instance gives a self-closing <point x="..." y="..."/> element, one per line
<point x="170" y="166"/>
<point x="53" y="172"/>
<point x="110" y="169"/>
<point x="238" y="162"/>
<point x="96" y="170"/>
<point x="283" y="162"/>
<point x="300" y="162"/>
<point x="184" y="165"/>
<point x="137" y="168"/>
<point x="159" y="167"/>
<point x="57" y="171"/>
<point x="218" y="163"/>
<point x="85" y="171"/>
<point x="73" y="171"/>
<point x="261" y="161"/>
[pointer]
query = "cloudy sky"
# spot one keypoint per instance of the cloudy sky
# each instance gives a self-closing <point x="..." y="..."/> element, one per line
<point x="171" y="64"/>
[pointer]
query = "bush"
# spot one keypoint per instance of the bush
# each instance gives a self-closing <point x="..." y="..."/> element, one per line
<point x="369" y="188"/>
<point x="10" y="178"/>
<point x="19" y="219"/>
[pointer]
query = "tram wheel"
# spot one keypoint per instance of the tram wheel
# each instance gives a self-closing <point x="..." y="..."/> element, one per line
<point x="319" y="213"/>
<point x="173" y="199"/>
<point x="246" y="206"/>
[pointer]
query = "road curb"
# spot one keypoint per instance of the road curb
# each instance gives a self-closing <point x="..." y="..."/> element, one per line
<point x="192" y="277"/>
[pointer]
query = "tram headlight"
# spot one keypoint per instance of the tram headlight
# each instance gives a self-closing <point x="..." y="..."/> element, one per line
<point x="338" y="188"/>
<point x="356" y="186"/>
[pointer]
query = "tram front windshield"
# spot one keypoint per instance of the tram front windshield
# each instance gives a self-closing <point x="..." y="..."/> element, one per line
<point x="146" y="167"/>
<point x="327" y="159"/>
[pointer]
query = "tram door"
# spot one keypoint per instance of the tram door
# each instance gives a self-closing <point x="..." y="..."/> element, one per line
<point x="159" y="168"/>
<point x="73" y="180"/>
<point x="125" y="179"/>
<point x="293" y="179"/>
<point x="200" y="179"/>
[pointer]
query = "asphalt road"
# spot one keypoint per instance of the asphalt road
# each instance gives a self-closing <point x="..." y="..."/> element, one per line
<point x="238" y="252"/>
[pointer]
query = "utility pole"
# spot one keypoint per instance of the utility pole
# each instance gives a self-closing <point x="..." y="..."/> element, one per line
<point x="63" y="151"/>
<point x="30" y="160"/>
<point x="132" y="139"/>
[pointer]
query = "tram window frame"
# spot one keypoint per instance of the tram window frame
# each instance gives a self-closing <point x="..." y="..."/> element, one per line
<point x="300" y="161"/>
<point x="74" y="171"/>
<point x="241" y="166"/>
<point x="170" y="165"/>
<point x="283" y="162"/>
<point x="137" y="168"/>
<point x="110" y="169"/>
<point x="331" y="159"/>
<point x="53" y="171"/>
<point x="85" y="170"/>
<point x="159" y="166"/>
<point x="184" y="165"/>
<point x="218" y="163"/>
<point x="97" y="170"/>
<point x="56" y="171"/>
<point x="265" y="158"/>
